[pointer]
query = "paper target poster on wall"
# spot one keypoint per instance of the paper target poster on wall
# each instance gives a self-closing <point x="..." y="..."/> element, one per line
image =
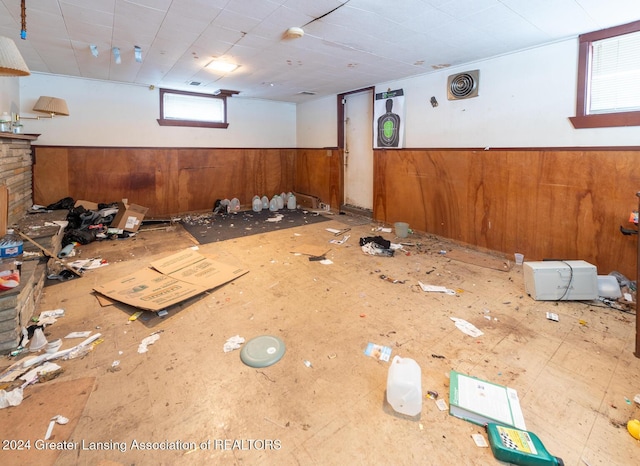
<point x="388" y="119"/>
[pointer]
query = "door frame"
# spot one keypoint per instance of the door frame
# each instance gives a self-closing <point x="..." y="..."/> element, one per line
<point x="340" y="122"/>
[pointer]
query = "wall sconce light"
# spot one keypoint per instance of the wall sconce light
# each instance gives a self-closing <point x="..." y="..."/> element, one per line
<point x="137" y="52"/>
<point x="53" y="106"/>
<point x="434" y="102"/>
<point x="94" y="50"/>
<point x="11" y="62"/>
<point x="116" y="55"/>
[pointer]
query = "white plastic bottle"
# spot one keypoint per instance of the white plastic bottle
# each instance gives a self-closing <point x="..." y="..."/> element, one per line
<point x="291" y="202"/>
<point x="256" y="204"/>
<point x="404" y="386"/>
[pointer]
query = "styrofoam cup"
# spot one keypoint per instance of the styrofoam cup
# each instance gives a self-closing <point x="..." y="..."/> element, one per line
<point x="519" y="258"/>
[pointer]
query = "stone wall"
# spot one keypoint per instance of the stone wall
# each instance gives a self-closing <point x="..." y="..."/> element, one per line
<point x="16" y="173"/>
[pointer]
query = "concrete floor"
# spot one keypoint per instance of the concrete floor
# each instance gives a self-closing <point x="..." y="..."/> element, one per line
<point x="576" y="378"/>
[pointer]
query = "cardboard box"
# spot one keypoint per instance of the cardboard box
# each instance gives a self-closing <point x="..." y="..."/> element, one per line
<point x="129" y="217"/>
<point x="307" y="200"/>
<point x="561" y="280"/>
<point x="170" y="281"/>
<point x="86" y="204"/>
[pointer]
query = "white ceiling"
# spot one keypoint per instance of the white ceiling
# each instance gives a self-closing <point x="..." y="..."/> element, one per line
<point x="361" y="43"/>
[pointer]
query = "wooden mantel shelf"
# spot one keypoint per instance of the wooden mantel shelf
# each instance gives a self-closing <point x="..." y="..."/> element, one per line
<point x="28" y="137"/>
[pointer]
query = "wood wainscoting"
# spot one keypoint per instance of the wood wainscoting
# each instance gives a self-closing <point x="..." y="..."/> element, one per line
<point x="168" y="181"/>
<point x="563" y="203"/>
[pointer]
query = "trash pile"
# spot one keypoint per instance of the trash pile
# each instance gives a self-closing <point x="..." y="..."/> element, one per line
<point x="89" y="221"/>
<point x="40" y="368"/>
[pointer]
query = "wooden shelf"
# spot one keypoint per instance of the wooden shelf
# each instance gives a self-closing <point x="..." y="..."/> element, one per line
<point x="27" y="137"/>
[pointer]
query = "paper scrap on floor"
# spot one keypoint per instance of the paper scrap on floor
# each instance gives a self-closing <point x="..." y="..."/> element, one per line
<point x="436" y="289"/>
<point x="467" y="327"/>
<point x="383" y="353"/>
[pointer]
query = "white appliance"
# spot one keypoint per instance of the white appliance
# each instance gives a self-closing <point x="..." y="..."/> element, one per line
<point x="571" y="280"/>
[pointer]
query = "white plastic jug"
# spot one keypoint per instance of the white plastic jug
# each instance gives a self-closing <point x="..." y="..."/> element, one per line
<point x="404" y="386"/>
<point x="291" y="202"/>
<point x="256" y="204"/>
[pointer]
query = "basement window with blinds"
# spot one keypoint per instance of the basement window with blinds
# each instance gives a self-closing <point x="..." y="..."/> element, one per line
<point x="183" y="108"/>
<point x="609" y="78"/>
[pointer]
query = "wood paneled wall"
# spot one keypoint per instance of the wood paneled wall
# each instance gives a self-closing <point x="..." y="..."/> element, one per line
<point x="168" y="181"/>
<point x="545" y="203"/>
<point x="552" y="203"/>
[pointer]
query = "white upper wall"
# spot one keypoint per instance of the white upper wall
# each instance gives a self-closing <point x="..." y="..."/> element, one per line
<point x="525" y="100"/>
<point x="9" y="95"/>
<point x="114" y="114"/>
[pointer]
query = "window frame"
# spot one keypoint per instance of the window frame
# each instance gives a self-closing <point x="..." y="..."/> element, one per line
<point x="222" y="94"/>
<point x="601" y="120"/>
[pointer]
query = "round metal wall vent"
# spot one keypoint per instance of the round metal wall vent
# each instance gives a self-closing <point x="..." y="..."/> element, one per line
<point x="463" y="85"/>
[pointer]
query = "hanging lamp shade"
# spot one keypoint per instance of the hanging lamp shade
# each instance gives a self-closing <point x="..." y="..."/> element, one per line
<point x="11" y="62"/>
<point x="51" y="105"/>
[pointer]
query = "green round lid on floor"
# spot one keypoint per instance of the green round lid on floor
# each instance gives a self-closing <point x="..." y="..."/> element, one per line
<point x="262" y="351"/>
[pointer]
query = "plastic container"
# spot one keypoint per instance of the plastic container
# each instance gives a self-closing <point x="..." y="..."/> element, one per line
<point x="273" y="204"/>
<point x="519" y="258"/>
<point x="404" y="386"/>
<point x="519" y="447"/>
<point x="38" y="341"/>
<point x="291" y="202"/>
<point x="256" y="204"/>
<point x="280" y="201"/>
<point x="11" y="247"/>
<point x="265" y="202"/>
<point x="608" y="287"/>
<point x="402" y="229"/>
<point x="234" y="205"/>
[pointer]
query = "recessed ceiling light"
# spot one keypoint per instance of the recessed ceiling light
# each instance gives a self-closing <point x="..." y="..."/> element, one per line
<point x="194" y="83"/>
<point x="225" y="67"/>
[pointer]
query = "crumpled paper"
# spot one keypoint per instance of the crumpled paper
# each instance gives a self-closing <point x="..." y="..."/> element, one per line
<point x="150" y="340"/>
<point x="436" y="289"/>
<point x="467" y="327"/>
<point x="12" y="398"/>
<point x="233" y="343"/>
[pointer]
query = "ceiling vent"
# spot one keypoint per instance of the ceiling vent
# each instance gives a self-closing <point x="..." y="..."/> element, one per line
<point x="306" y="93"/>
<point x="463" y="85"/>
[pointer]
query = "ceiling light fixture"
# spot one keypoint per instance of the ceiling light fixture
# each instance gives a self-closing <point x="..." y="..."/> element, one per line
<point x="94" y="50"/>
<point x="294" y="33"/>
<point x="11" y="62"/>
<point x="223" y="66"/>
<point x="137" y="52"/>
<point x="116" y="55"/>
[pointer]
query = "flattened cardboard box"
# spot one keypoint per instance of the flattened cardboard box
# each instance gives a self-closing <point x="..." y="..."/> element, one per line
<point x="170" y="281"/>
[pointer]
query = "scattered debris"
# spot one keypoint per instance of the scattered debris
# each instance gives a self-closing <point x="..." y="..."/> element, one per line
<point x="391" y="280"/>
<point x="436" y="289"/>
<point x="467" y="327"/>
<point x="233" y="343"/>
<point x="150" y="340"/>
<point x="57" y="419"/>
<point x="479" y="440"/>
<point x="307" y="363"/>
<point x="553" y="316"/>
<point x="383" y="353"/>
